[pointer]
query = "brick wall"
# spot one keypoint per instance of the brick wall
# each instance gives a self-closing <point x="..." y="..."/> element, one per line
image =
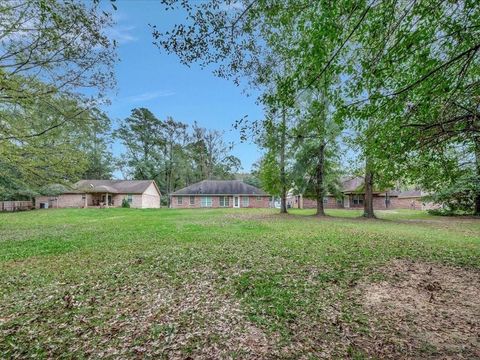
<point x="263" y="202"/>
<point x="76" y="200"/>
<point x="330" y="204"/>
<point x="378" y="203"/>
<point x="62" y="201"/>
<point x="411" y="203"/>
<point x="150" y="201"/>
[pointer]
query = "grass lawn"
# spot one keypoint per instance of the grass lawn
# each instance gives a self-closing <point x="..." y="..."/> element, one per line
<point x="123" y="283"/>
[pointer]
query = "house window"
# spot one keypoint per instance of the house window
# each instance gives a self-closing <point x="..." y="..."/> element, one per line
<point x="245" y="201"/>
<point x="357" y="199"/>
<point x="129" y="198"/>
<point x="192" y="200"/>
<point x="84" y="197"/>
<point x="259" y="198"/>
<point x="206" y="201"/>
<point x="224" y="201"/>
<point x="180" y="200"/>
<point x="339" y="201"/>
<point x="325" y="200"/>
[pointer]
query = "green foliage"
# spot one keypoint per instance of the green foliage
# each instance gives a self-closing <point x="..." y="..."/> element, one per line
<point x="100" y="161"/>
<point x="252" y="179"/>
<point x="47" y="144"/>
<point x="60" y="44"/>
<point x="269" y="174"/>
<point x="50" y="52"/>
<point x="125" y="203"/>
<point x="459" y="196"/>
<point x="402" y="76"/>
<point x="172" y="153"/>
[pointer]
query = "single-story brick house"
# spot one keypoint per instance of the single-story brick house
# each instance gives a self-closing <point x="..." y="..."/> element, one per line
<point x="98" y="193"/>
<point x="353" y="197"/>
<point x="220" y="194"/>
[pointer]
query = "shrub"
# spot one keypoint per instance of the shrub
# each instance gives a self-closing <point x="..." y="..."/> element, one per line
<point x="459" y="197"/>
<point x="125" y="203"/>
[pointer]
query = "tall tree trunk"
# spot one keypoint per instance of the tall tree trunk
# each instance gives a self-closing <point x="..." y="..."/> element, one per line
<point x="477" y="158"/>
<point x="283" y="176"/>
<point x="368" y="203"/>
<point x="320" y="176"/>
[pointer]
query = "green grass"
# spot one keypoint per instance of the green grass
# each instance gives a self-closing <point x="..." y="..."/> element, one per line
<point x="125" y="282"/>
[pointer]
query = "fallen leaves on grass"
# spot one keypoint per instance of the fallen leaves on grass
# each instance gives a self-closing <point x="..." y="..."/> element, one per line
<point x="422" y="310"/>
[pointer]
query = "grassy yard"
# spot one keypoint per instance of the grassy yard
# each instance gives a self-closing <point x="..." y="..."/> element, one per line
<point x="238" y="284"/>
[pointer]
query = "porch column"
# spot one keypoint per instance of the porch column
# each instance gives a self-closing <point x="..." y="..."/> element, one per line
<point x="106" y="200"/>
<point x="86" y="200"/>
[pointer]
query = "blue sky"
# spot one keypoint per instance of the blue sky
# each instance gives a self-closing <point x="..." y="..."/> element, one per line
<point x="148" y="77"/>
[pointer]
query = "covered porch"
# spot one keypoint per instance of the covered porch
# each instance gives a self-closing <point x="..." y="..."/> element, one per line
<point x="100" y="196"/>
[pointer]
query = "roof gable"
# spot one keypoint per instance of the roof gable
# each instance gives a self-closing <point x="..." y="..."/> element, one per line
<point x="220" y="187"/>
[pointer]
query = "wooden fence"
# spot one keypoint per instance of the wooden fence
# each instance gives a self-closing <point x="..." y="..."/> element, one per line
<point x="15" y="205"/>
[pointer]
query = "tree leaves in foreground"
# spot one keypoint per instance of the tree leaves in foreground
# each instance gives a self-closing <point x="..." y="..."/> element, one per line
<point x="28" y="163"/>
<point x="56" y="62"/>
<point x="412" y="65"/>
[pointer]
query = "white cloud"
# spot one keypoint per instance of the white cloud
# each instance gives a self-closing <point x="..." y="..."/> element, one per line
<point x="149" y="95"/>
<point x="122" y="34"/>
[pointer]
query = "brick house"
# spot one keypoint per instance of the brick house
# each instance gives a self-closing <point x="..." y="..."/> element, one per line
<point x="98" y="193"/>
<point x="353" y="197"/>
<point x="220" y="194"/>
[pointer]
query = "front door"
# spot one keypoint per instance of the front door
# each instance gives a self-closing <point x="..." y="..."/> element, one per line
<point x="236" y="201"/>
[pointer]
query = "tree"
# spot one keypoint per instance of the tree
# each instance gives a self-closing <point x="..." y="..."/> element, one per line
<point x="52" y="54"/>
<point x="141" y="134"/>
<point x="49" y="47"/>
<point x="211" y="155"/>
<point x="284" y="50"/>
<point x="411" y="65"/>
<point x="274" y="171"/>
<point x="317" y="151"/>
<point x="29" y="162"/>
<point x="100" y="161"/>
<point x="175" y="138"/>
<point x="416" y="75"/>
<point x="172" y="153"/>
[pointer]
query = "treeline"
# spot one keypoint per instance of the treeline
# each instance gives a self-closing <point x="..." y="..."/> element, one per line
<point x="396" y="82"/>
<point x="173" y="153"/>
<point x="56" y="64"/>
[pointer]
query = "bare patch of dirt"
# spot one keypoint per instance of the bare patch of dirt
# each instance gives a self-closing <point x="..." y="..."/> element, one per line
<point x="422" y="310"/>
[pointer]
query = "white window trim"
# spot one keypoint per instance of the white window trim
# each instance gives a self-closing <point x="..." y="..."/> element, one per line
<point x="226" y="201"/>
<point x="206" y="202"/>
<point x="239" y="201"/>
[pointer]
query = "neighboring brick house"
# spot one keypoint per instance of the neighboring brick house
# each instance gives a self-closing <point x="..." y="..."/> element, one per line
<point x="353" y="197"/>
<point x="110" y="193"/>
<point x="220" y="194"/>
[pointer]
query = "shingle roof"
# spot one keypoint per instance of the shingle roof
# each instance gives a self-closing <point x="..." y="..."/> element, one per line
<point x="410" y="193"/>
<point x="220" y="187"/>
<point x="352" y="184"/>
<point x="112" y="186"/>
